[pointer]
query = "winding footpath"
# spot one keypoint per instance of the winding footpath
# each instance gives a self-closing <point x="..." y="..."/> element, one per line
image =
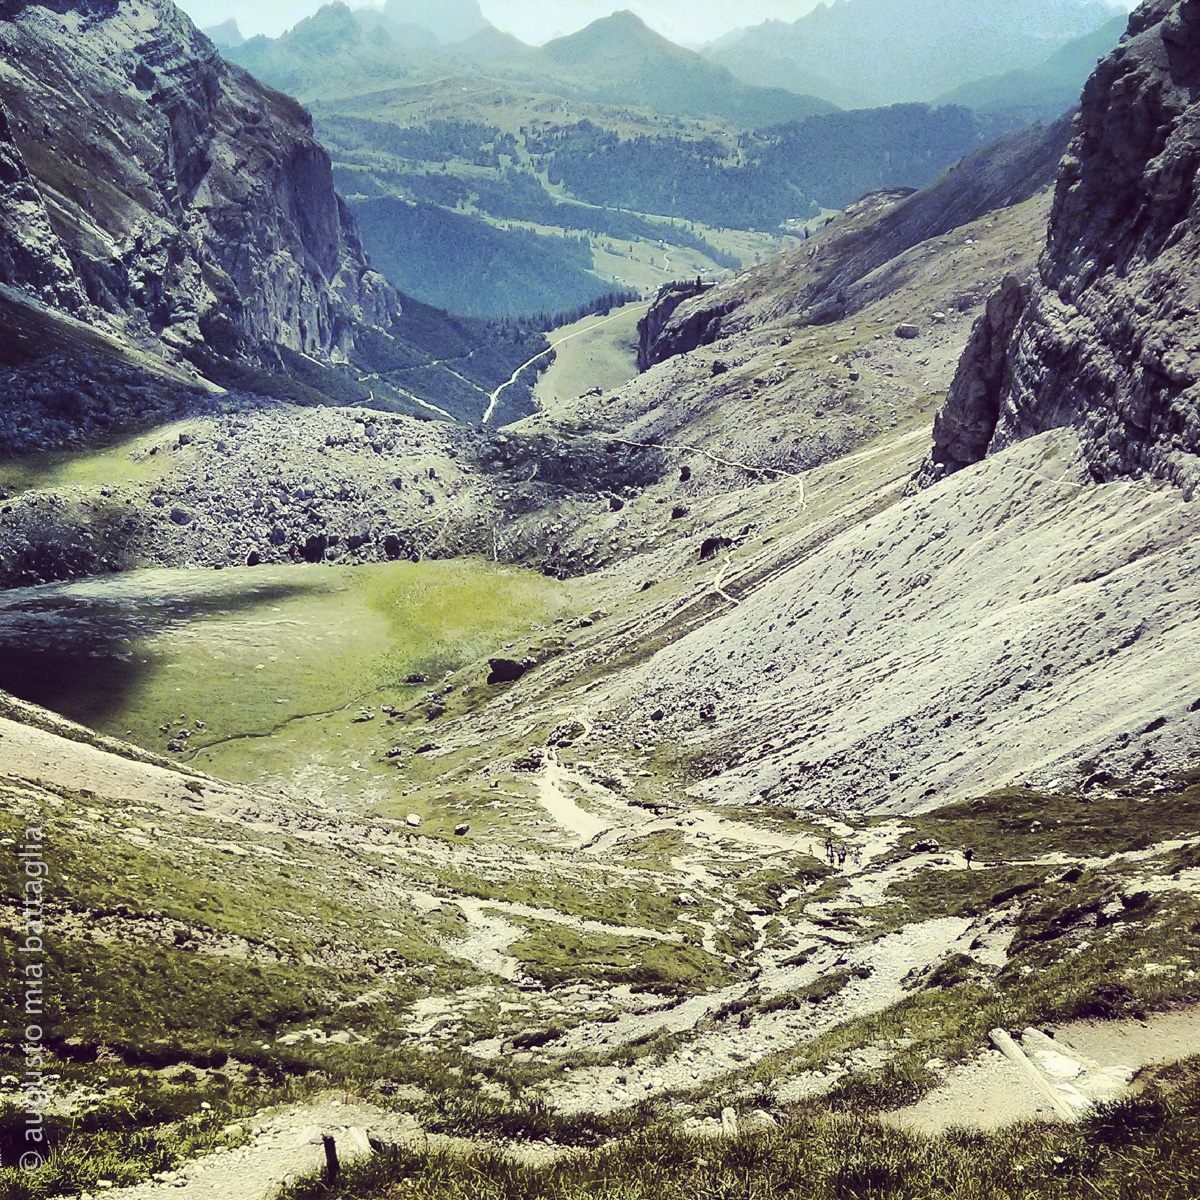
<point x="494" y="399"/>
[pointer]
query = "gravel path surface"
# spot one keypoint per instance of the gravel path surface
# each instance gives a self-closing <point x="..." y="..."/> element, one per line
<point x="284" y="1143"/>
<point x="992" y="1091"/>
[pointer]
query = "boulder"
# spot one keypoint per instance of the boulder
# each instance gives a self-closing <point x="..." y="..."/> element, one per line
<point x="505" y="670"/>
<point x="712" y="546"/>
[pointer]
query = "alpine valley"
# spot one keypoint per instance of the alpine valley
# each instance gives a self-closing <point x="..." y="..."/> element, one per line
<point x="600" y="620"/>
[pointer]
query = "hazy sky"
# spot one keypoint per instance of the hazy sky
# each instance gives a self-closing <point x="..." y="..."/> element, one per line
<point x="690" y="22"/>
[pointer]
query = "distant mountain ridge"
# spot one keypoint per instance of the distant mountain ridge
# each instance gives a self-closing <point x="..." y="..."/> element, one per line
<point x="334" y="43"/>
<point x="620" y="59"/>
<point x="614" y="120"/>
<point x="448" y="20"/>
<point x="1047" y="90"/>
<point x="616" y="60"/>
<point x="866" y="53"/>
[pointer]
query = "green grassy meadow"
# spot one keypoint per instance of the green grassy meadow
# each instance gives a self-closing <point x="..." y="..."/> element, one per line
<point x="255" y="672"/>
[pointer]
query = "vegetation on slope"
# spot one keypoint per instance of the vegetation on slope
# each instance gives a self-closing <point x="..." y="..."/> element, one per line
<point x="1126" y="1151"/>
<point x="471" y="268"/>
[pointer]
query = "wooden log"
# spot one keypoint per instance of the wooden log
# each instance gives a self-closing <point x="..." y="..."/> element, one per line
<point x="1005" y="1044"/>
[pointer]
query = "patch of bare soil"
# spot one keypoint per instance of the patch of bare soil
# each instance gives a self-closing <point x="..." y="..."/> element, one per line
<point x="992" y="1090"/>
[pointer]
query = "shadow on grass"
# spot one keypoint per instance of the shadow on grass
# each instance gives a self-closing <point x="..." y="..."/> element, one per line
<point x="79" y="655"/>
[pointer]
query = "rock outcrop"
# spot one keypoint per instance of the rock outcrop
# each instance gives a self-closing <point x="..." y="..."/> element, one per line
<point x="1105" y="341"/>
<point x="29" y="250"/>
<point x="966" y="423"/>
<point x="154" y="189"/>
<point x="654" y="343"/>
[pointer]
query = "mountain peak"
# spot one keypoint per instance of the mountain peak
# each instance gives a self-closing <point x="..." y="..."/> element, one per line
<point x="623" y="18"/>
<point x="332" y="25"/>
<point x="226" y="35"/>
<point x="612" y="36"/>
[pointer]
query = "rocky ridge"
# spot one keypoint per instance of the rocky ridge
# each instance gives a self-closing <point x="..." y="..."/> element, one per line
<point x="1103" y="340"/>
<point x="837" y="274"/>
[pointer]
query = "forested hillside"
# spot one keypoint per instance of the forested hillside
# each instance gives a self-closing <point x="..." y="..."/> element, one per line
<point x="496" y="179"/>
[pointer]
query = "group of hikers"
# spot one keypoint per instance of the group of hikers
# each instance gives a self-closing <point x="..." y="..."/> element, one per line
<point x="836" y="854"/>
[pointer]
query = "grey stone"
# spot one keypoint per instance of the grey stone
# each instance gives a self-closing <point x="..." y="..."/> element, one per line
<point x="1103" y="341"/>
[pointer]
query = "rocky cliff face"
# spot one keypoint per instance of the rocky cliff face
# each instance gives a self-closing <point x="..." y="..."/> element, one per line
<point x="658" y="339"/>
<point x="150" y="187"/>
<point x="1105" y="341"/>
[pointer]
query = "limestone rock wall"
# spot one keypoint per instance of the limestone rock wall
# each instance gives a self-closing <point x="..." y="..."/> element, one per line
<point x="30" y="253"/>
<point x="1108" y="339"/>
<point x="167" y="192"/>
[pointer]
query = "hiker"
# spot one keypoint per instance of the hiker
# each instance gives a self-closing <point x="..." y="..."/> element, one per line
<point x="841" y="856"/>
<point x="968" y="854"/>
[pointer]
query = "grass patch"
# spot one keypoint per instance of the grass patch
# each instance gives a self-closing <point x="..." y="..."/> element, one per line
<point x="443" y="614"/>
<point x="123" y="463"/>
<point x="967" y="893"/>
<point x="187" y="1004"/>
<point x="124" y="1125"/>
<point x="817" y="992"/>
<point x="288" y="653"/>
<point x="1018" y="824"/>
<point x="597" y="899"/>
<point x="555" y="955"/>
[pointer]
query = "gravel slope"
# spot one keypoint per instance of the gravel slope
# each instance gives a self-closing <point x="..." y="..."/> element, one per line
<point x="1011" y="625"/>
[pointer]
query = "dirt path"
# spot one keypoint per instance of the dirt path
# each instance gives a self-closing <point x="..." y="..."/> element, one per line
<point x="493" y="400"/>
<point x="561" y="807"/>
<point x="284" y="1143"/>
<point x="991" y="1090"/>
